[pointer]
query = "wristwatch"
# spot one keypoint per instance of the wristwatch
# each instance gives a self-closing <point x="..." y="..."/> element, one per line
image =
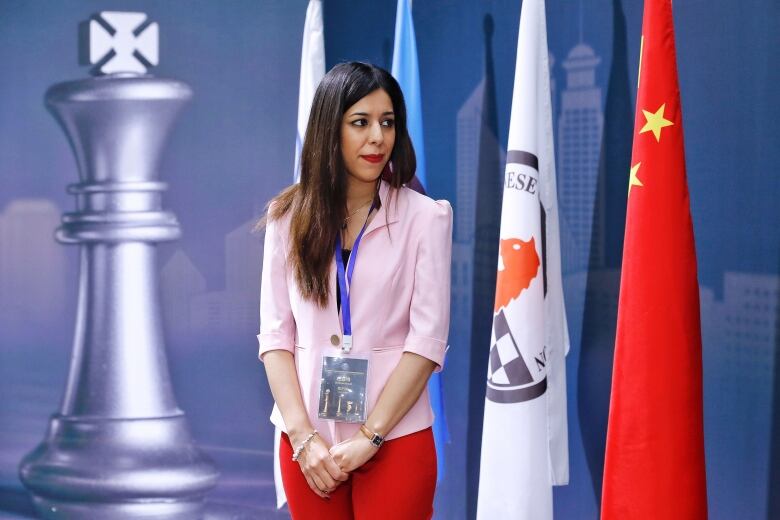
<point x="374" y="437"/>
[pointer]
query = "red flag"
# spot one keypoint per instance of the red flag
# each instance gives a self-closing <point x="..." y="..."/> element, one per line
<point x="654" y="465"/>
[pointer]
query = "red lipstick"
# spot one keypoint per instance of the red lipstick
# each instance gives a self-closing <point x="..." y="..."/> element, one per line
<point x="373" y="158"/>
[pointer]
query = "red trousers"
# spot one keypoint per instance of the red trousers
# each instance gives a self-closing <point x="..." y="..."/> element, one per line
<point x="397" y="483"/>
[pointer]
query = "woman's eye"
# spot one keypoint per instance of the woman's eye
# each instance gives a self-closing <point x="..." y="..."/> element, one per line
<point x="360" y="122"/>
<point x="389" y="123"/>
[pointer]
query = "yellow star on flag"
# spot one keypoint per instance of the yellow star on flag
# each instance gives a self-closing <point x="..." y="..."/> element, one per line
<point x="633" y="179"/>
<point x="655" y="122"/>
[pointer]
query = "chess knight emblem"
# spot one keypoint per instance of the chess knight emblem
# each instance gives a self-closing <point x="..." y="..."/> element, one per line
<point x="516" y="369"/>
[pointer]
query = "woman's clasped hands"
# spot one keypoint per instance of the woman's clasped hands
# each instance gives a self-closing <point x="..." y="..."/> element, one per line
<point x="318" y="467"/>
<point x="325" y="469"/>
<point x="352" y="453"/>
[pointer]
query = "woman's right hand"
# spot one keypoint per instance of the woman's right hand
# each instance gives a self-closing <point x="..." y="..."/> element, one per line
<point x="322" y="473"/>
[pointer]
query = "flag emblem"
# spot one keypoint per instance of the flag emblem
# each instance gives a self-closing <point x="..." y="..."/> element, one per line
<point x="520" y="265"/>
<point x="511" y="379"/>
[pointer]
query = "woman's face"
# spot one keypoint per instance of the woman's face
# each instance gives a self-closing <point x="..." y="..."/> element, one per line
<point x="368" y="136"/>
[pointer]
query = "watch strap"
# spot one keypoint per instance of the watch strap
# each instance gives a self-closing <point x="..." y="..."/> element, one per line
<point x="374" y="437"/>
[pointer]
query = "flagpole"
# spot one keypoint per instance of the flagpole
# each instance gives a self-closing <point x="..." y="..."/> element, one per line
<point x="405" y="69"/>
<point x="656" y="406"/>
<point x="524" y="437"/>
<point x="312" y="72"/>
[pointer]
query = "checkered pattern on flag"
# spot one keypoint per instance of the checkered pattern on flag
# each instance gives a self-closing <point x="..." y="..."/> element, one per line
<point x="507" y="365"/>
<point x="524" y="437"/>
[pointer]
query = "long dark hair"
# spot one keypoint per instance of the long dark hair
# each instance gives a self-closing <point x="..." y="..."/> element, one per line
<point x="318" y="202"/>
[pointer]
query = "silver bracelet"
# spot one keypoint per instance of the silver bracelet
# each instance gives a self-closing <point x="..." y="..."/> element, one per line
<point x="299" y="449"/>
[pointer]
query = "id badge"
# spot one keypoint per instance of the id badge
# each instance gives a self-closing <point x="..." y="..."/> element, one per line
<point x="343" y="389"/>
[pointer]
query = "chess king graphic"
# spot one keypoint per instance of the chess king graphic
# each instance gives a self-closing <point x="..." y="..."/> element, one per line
<point x="119" y="447"/>
<point x="516" y="369"/>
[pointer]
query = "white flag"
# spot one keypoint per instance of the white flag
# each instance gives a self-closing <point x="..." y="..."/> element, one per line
<point x="524" y="437"/>
<point x="281" y="496"/>
<point x="312" y="71"/>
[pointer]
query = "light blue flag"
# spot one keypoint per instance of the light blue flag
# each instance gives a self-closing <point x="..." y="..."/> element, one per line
<point x="406" y="70"/>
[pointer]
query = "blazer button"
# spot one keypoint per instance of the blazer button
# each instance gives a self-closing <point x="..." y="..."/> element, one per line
<point x="334" y="340"/>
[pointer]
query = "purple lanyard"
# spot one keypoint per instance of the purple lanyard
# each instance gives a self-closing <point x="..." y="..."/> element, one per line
<point x="346" y="281"/>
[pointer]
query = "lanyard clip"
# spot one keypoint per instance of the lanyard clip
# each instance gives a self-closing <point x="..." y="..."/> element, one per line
<point x="346" y="344"/>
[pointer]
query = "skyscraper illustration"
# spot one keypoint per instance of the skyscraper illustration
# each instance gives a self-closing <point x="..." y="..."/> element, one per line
<point x="469" y="121"/>
<point x="32" y="264"/>
<point x="243" y="260"/>
<point x="591" y="295"/>
<point x="33" y="305"/>
<point x="751" y="307"/>
<point x="233" y="311"/>
<point x="553" y="85"/>
<point x="738" y="379"/>
<point x="580" y="127"/>
<point x="180" y="281"/>
<point x="471" y="129"/>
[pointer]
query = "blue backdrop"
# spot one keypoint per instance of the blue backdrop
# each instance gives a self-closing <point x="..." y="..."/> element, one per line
<point x="233" y="149"/>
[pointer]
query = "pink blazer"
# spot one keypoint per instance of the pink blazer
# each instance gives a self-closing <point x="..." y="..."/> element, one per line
<point x="400" y="302"/>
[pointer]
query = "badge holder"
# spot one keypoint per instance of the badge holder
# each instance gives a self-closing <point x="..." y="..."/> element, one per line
<point x="343" y="388"/>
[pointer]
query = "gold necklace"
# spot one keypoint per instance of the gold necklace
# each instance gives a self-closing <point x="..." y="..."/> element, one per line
<point x="344" y="225"/>
<point x="376" y="191"/>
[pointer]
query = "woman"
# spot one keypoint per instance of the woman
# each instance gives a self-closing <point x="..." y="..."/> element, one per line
<point x="354" y="309"/>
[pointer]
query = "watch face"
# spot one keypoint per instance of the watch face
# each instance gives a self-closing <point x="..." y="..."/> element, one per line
<point x="377" y="440"/>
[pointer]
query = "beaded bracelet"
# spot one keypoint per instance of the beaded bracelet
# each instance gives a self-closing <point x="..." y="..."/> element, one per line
<point x="299" y="449"/>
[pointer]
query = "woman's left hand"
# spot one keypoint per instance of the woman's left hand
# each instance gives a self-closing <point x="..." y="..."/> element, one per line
<point x="353" y="452"/>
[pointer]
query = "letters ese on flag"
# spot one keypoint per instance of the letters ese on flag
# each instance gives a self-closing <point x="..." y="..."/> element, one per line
<point x="406" y="71"/>
<point x="312" y="72"/>
<point x="524" y="439"/>
<point x="654" y="463"/>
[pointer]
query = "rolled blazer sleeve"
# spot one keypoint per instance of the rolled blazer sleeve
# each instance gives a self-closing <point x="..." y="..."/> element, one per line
<point x="429" y="319"/>
<point x="277" y="325"/>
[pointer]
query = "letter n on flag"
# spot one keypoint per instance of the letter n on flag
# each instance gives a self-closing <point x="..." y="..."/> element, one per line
<point x="654" y="465"/>
<point x="524" y="436"/>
